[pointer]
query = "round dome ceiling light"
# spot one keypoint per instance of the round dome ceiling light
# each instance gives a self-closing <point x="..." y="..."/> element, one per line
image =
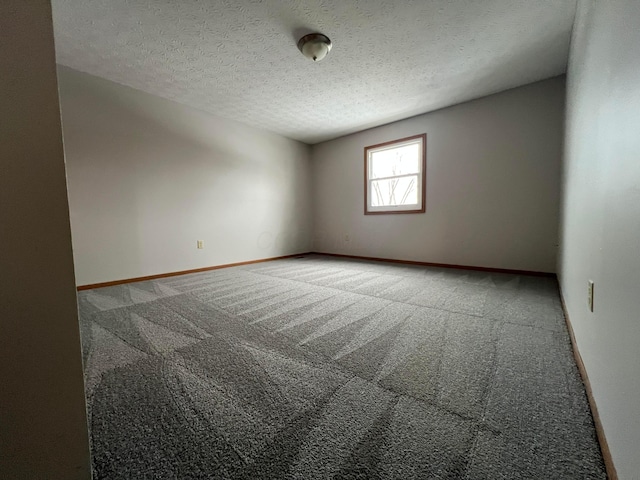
<point x="315" y="46"/>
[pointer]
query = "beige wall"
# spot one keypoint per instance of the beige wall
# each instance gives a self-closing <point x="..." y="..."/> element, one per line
<point x="43" y="431"/>
<point x="493" y="169"/>
<point x="600" y="233"/>
<point x="149" y="177"/>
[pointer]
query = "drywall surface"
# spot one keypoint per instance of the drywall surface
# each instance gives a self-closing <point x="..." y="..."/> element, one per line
<point x="149" y="177"/>
<point x="600" y="229"/>
<point x="493" y="168"/>
<point x="43" y="430"/>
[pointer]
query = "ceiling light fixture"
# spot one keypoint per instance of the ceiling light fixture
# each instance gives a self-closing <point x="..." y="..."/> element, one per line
<point x="314" y="46"/>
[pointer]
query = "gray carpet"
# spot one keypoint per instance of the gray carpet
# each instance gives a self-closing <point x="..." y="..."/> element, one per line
<point x="318" y="368"/>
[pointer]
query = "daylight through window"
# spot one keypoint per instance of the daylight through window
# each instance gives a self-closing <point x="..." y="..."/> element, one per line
<point x="395" y="176"/>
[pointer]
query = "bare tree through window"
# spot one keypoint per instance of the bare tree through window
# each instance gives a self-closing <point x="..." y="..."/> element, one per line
<point x="395" y="173"/>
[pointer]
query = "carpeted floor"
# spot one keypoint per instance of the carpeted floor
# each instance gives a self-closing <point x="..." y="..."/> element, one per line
<point x="318" y="368"/>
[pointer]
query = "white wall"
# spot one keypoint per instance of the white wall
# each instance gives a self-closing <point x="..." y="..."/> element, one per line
<point x="600" y="233"/>
<point x="43" y="430"/>
<point x="149" y="177"/>
<point x="493" y="168"/>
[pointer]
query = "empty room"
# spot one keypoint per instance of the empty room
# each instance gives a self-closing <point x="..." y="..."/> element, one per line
<point x="278" y="239"/>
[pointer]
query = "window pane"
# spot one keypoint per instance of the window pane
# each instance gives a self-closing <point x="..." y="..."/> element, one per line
<point x="395" y="161"/>
<point x="394" y="191"/>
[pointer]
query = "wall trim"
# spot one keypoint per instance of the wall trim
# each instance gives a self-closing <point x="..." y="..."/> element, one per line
<point x="356" y="257"/>
<point x="602" y="439"/>
<point x="181" y="272"/>
<point x="442" y="265"/>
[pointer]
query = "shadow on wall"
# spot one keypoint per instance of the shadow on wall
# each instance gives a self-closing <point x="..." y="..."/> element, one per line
<point x="144" y="173"/>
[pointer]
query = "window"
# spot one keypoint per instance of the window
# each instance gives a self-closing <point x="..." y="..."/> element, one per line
<point x="395" y="176"/>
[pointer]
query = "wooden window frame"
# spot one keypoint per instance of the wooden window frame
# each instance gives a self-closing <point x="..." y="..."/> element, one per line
<point x="423" y="176"/>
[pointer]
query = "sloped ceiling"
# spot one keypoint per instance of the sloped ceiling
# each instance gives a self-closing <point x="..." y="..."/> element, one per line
<point x="391" y="59"/>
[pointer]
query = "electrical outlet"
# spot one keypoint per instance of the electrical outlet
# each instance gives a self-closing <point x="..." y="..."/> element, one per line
<point x="347" y="238"/>
<point x="200" y="244"/>
<point x="590" y="296"/>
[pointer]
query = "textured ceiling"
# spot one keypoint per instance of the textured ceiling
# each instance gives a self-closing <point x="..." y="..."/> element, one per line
<point x="391" y="59"/>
